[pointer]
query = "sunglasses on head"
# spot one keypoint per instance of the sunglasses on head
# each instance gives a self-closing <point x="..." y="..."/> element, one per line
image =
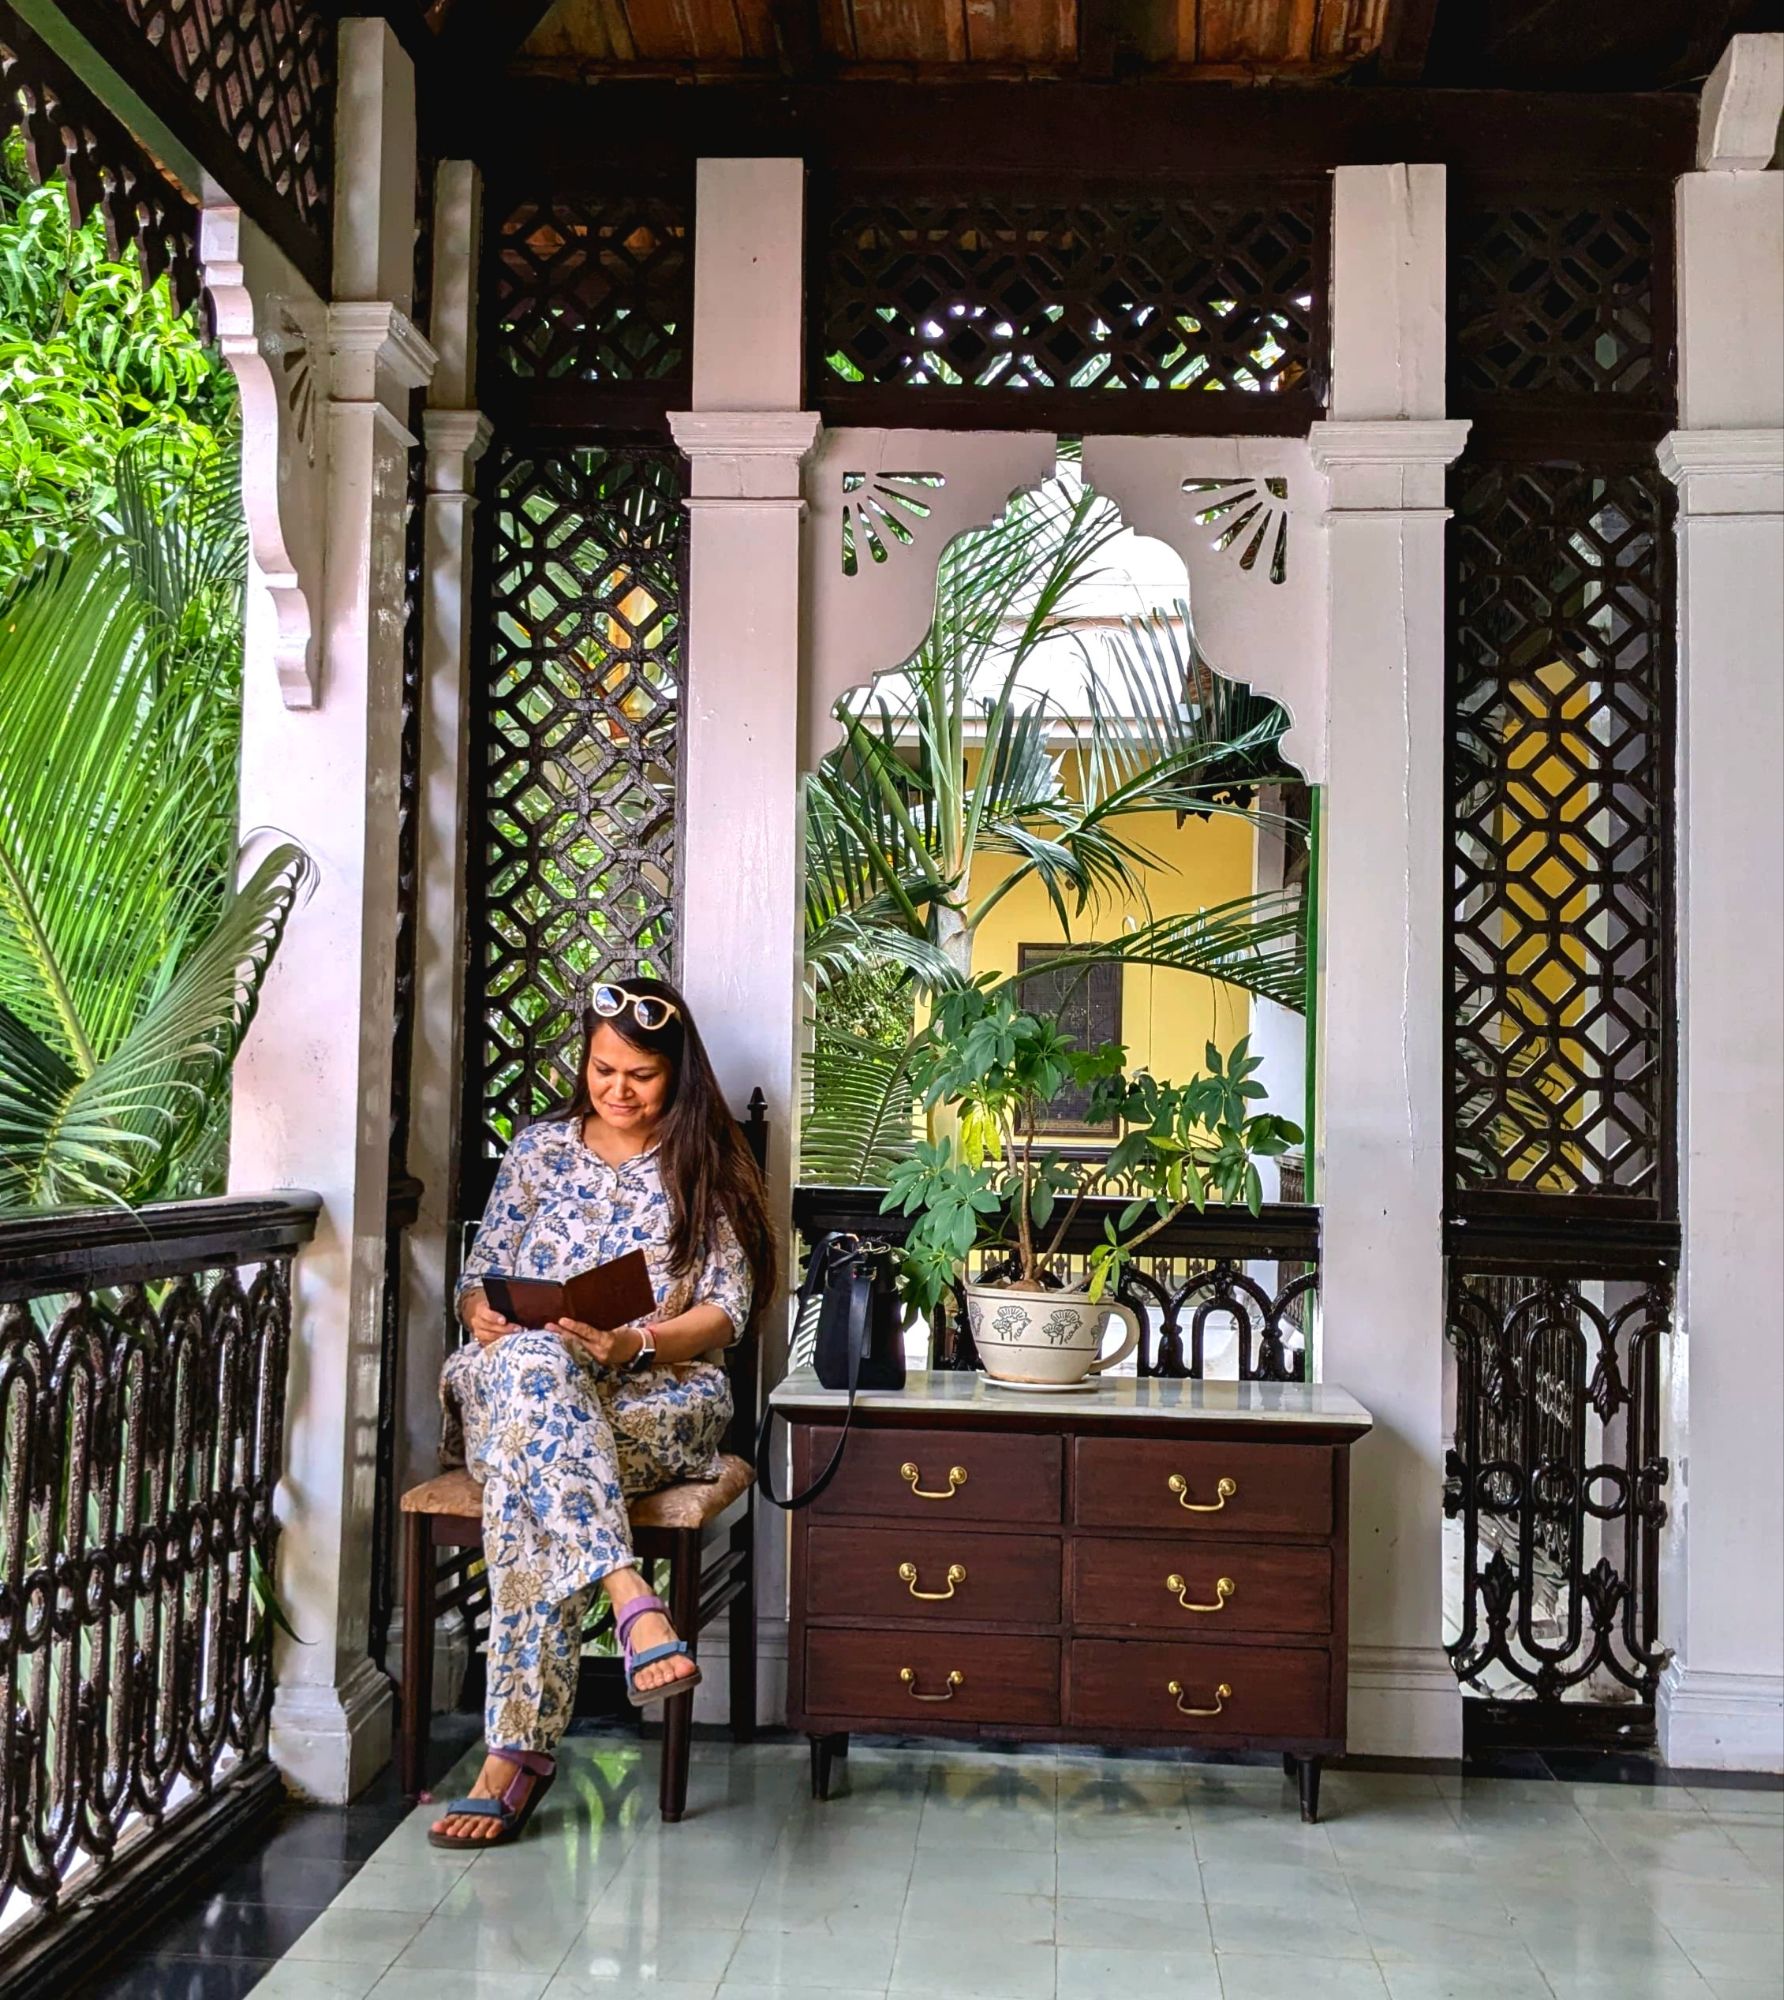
<point x="648" y="1009"/>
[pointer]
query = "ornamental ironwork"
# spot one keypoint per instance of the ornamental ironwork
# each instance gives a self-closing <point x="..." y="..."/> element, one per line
<point x="1210" y="304"/>
<point x="141" y="1425"/>
<point x="1560" y="803"/>
<point x="66" y="130"/>
<point x="1557" y="1479"/>
<point x="578" y="739"/>
<point x="1560" y="300"/>
<point x="593" y="289"/>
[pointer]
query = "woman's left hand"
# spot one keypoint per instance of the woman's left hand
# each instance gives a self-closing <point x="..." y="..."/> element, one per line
<point x="612" y="1347"/>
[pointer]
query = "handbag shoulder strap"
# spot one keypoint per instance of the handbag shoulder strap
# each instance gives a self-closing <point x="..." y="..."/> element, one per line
<point x="859" y="1319"/>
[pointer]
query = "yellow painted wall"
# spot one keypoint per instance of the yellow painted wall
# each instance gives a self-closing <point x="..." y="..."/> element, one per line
<point x="1167" y="1017"/>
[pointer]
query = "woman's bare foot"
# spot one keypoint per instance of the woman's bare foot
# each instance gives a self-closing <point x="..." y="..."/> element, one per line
<point x="493" y="1780"/>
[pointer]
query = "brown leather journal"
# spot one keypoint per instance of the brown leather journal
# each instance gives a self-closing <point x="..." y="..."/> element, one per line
<point x="614" y="1294"/>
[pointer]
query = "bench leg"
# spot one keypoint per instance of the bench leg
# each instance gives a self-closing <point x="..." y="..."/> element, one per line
<point x="418" y="1652"/>
<point x="743" y="1637"/>
<point x="678" y="1715"/>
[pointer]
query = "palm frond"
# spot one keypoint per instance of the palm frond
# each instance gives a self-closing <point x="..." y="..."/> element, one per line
<point x="859" y="1112"/>
<point x="118" y="1131"/>
<point x="1255" y="942"/>
<point x="846" y="944"/>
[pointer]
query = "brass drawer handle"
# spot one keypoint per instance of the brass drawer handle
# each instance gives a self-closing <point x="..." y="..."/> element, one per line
<point x="910" y="1475"/>
<point x="1223" y="1589"/>
<point x="909" y="1676"/>
<point x="1223" y="1492"/>
<point x="907" y="1574"/>
<point x="1222" y="1695"/>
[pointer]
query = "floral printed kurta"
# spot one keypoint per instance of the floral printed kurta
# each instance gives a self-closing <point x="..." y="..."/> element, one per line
<point x="560" y="1443"/>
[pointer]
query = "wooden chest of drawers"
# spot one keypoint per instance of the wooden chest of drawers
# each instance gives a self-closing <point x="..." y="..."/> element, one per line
<point x="1160" y="1563"/>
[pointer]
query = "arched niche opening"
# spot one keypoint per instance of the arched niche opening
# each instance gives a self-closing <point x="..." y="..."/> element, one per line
<point x="1055" y="790"/>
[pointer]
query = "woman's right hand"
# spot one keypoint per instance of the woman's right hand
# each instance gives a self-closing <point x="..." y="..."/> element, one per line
<point x="485" y="1323"/>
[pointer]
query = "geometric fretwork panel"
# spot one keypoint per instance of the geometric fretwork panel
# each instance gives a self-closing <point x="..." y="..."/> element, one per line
<point x="1561" y="818"/>
<point x="1550" y="301"/>
<point x="1557" y="1480"/>
<point x="265" y="73"/>
<point x="594" y="289"/>
<point x="577" y="758"/>
<point x="1033" y="294"/>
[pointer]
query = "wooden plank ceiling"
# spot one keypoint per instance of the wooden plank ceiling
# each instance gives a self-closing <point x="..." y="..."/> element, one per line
<point x="1209" y="38"/>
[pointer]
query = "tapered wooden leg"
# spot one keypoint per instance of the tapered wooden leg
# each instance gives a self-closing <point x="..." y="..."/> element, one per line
<point x="1310" y="1770"/>
<point x="418" y="1652"/>
<point x="678" y="1714"/>
<point x="824" y="1752"/>
<point x="743" y="1642"/>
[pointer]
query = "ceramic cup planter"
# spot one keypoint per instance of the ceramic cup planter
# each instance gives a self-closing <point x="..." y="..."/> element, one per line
<point x="1048" y="1340"/>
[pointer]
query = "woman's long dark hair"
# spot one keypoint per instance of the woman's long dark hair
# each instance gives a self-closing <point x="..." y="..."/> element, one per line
<point x="707" y="1168"/>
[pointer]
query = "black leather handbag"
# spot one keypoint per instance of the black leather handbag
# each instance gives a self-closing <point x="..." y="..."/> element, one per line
<point x="859" y="1342"/>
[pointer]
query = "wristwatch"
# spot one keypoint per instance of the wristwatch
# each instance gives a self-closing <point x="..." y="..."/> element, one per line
<point x="646" y="1357"/>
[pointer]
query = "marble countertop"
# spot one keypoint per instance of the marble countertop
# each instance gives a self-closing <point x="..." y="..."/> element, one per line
<point x="934" y="1393"/>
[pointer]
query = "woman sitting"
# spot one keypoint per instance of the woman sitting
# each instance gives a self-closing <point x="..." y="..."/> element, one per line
<point x="562" y="1425"/>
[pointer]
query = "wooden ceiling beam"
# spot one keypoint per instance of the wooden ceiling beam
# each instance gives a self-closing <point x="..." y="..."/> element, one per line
<point x="1406" y="40"/>
<point x="489" y="34"/>
<point x="798" y="38"/>
<point x="1129" y="133"/>
<point x="1098" y="39"/>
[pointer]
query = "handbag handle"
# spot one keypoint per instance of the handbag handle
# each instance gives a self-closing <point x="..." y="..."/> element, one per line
<point x="859" y="1317"/>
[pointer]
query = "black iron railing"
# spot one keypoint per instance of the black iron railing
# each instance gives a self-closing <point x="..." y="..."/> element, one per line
<point x="1556" y="1475"/>
<point x="1225" y="1274"/>
<point x="142" y="1403"/>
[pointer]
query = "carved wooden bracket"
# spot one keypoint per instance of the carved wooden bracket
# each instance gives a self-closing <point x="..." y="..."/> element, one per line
<point x="272" y="330"/>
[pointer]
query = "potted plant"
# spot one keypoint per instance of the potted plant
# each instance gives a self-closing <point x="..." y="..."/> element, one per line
<point x="993" y="1182"/>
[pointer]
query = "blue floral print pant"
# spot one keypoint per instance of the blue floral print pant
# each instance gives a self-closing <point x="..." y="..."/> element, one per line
<point x="560" y="1445"/>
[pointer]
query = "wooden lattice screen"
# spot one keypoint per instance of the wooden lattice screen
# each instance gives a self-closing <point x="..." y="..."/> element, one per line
<point x="1562" y="1227"/>
<point x="589" y="302"/>
<point x="1199" y="309"/>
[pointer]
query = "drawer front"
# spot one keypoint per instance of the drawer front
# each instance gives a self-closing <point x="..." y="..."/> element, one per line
<point x="1201" y="1586"/>
<point x="936" y="1574"/>
<point x="909" y="1677"/>
<point x="1144" y="1684"/>
<point x="936" y="1477"/>
<point x="1215" y="1489"/>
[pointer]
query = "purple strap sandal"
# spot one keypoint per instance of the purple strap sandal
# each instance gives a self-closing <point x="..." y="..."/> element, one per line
<point x="533" y="1769"/>
<point x="643" y="1697"/>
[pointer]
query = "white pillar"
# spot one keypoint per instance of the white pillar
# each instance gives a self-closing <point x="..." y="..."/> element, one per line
<point x="738" y="949"/>
<point x="312" y="1088"/>
<point x="1382" y="1008"/>
<point x="1722" y="1605"/>
<point x="455" y="433"/>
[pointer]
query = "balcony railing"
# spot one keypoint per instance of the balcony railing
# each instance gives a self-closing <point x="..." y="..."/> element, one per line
<point x="1220" y="1294"/>
<point x="142" y="1404"/>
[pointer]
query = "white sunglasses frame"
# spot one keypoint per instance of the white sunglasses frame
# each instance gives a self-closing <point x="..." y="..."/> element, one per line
<point x="636" y="1001"/>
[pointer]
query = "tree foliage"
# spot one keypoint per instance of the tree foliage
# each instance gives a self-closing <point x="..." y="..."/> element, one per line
<point x="91" y="359"/>
<point x="131" y="960"/>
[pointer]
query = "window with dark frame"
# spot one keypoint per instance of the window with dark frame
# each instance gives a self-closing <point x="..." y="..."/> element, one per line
<point x="1086" y="1002"/>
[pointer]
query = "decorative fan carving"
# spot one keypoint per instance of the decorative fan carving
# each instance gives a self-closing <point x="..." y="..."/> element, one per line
<point x="1245" y="511"/>
<point x="882" y="511"/>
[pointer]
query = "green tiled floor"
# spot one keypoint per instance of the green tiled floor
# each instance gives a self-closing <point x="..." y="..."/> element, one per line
<point x="955" y="1876"/>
